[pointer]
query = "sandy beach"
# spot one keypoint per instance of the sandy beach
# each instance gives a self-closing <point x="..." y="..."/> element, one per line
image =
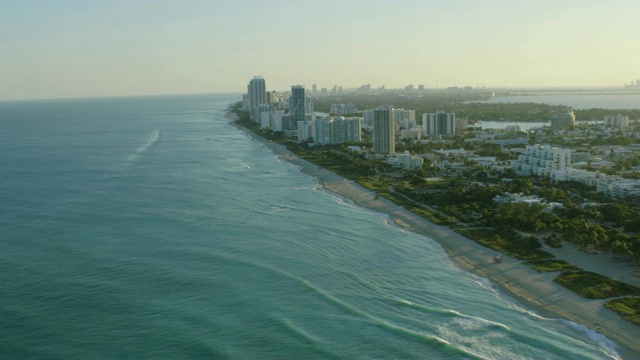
<point x="534" y="290"/>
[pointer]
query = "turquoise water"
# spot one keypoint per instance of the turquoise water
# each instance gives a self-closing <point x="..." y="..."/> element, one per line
<point x="150" y="228"/>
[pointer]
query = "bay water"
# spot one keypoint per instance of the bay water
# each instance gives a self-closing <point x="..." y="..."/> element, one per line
<point x="580" y="101"/>
<point x="148" y="227"/>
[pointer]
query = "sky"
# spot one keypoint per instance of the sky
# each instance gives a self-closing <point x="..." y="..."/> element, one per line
<point x="89" y="48"/>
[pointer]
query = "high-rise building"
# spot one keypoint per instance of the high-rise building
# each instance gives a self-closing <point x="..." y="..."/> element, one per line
<point x="406" y="118"/>
<point x="306" y="130"/>
<point x="297" y="104"/>
<point x="287" y="123"/>
<point x="271" y="97"/>
<point x="257" y="95"/>
<point x="383" y="130"/>
<point x="367" y="118"/>
<point x="618" y="121"/>
<point x="440" y="123"/>
<point x="462" y="123"/>
<point x="338" y="130"/>
<point x="265" y="115"/>
<point x="563" y="121"/>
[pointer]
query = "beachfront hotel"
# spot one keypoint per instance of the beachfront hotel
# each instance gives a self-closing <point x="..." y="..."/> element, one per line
<point x="384" y="131"/>
<point x="297" y="104"/>
<point x="338" y="130"/>
<point x="257" y="96"/>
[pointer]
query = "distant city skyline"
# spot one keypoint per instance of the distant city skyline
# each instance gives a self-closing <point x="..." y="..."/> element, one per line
<point x="73" y="48"/>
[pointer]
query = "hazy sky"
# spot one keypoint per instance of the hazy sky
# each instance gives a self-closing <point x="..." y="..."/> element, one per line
<point x="53" y="49"/>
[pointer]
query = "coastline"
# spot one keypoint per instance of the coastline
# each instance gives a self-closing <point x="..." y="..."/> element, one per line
<point x="536" y="291"/>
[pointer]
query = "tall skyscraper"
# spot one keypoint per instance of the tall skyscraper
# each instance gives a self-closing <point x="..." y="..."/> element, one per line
<point x="383" y="131"/>
<point x="257" y="95"/>
<point x="297" y="105"/>
<point x="440" y="123"/>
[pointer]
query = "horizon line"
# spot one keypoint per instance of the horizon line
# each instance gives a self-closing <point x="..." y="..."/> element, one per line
<point x="554" y="87"/>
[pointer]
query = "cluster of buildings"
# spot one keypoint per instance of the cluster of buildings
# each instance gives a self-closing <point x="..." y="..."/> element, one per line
<point x="277" y="111"/>
<point x="567" y="120"/>
<point x="410" y="90"/>
<point x="292" y="113"/>
<point x="520" y="198"/>
<point x="406" y="126"/>
<point x="556" y="163"/>
<point x="633" y="84"/>
<point x="616" y="121"/>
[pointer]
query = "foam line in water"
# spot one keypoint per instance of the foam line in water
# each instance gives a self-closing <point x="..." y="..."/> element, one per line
<point x="455" y="351"/>
<point x="600" y="340"/>
<point x="422" y="308"/>
<point x="453" y="313"/>
<point x="116" y="171"/>
<point x="480" y="320"/>
<point x="603" y="342"/>
<point x="152" y="139"/>
<point x="422" y="337"/>
<point x="314" y="344"/>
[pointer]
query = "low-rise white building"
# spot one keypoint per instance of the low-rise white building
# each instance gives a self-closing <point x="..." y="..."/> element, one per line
<point x="406" y="161"/>
<point x="537" y="163"/>
<point x="588" y="178"/>
<point x="620" y="188"/>
<point x="541" y="160"/>
<point x="484" y="161"/>
<point x="458" y="152"/>
<point x="526" y="199"/>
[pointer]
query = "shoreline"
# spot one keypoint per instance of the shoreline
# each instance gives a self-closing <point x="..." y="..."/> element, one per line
<point x="536" y="291"/>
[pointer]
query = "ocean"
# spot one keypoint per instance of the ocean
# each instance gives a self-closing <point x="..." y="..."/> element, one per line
<point x="148" y="227"/>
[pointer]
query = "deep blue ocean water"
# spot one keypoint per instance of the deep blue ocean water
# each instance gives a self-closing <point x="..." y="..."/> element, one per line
<point x="149" y="227"/>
